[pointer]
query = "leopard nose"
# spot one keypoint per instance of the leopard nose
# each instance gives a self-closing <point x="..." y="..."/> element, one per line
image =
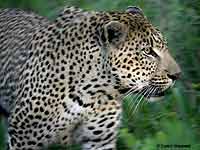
<point x="175" y="76"/>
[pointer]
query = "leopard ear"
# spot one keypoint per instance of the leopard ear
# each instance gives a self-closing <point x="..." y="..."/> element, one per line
<point x="114" y="33"/>
<point x="135" y="10"/>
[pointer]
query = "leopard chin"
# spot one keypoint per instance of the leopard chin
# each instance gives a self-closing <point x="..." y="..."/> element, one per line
<point x="155" y="99"/>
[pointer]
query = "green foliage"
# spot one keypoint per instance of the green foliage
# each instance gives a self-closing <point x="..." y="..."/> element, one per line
<point x="175" y="120"/>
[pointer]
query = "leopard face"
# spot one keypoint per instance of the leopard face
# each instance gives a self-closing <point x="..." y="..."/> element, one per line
<point x="138" y="55"/>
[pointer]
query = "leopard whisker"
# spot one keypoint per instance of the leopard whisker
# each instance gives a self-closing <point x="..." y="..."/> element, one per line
<point x="140" y="101"/>
<point x="139" y="95"/>
<point x="131" y="102"/>
<point x="129" y="92"/>
<point x="151" y="90"/>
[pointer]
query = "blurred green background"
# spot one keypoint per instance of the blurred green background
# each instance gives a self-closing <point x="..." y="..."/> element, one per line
<point x="176" y="119"/>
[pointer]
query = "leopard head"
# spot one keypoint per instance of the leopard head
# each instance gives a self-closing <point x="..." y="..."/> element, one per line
<point x="138" y="54"/>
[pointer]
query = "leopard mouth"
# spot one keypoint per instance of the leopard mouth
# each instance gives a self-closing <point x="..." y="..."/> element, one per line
<point x="160" y="92"/>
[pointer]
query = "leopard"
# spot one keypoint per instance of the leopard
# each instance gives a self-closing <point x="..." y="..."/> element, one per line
<point x="63" y="81"/>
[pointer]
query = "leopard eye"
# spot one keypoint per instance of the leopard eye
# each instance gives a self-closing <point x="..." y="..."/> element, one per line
<point x="149" y="52"/>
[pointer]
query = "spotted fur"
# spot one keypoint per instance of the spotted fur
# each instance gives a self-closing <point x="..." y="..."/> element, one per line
<point x="62" y="81"/>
